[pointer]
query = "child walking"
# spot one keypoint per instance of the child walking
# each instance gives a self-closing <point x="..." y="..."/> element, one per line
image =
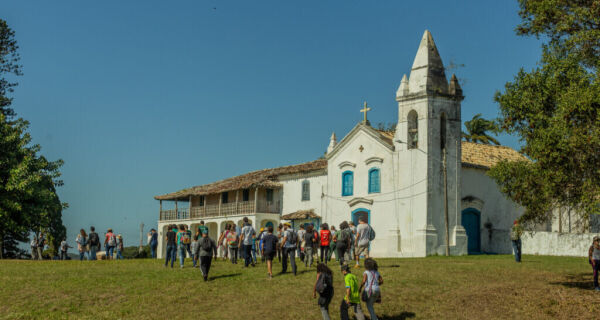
<point x="370" y="286"/>
<point x="352" y="296"/>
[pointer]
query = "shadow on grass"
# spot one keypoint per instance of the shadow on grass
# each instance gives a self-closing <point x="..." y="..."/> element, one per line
<point x="402" y="316"/>
<point x="226" y="276"/>
<point x="580" y="281"/>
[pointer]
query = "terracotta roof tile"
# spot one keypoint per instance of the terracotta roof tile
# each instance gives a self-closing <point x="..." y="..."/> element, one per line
<point x="485" y="156"/>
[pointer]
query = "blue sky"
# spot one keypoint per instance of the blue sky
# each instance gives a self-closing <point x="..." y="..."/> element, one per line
<point x="141" y="98"/>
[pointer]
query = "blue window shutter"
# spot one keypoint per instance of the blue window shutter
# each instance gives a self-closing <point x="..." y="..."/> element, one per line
<point x="374" y="181"/>
<point x="347" y="183"/>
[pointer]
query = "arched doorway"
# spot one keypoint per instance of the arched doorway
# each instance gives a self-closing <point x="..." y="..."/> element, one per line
<point x="361" y="212"/>
<point x="471" y="219"/>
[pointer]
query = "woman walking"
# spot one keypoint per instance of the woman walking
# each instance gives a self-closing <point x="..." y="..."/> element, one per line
<point x="325" y="236"/>
<point x="120" y="247"/>
<point x="205" y="250"/>
<point x="324" y="286"/>
<point x="369" y="287"/>
<point x="595" y="250"/>
<point x="82" y="244"/>
<point x="222" y="243"/>
<point x="233" y="243"/>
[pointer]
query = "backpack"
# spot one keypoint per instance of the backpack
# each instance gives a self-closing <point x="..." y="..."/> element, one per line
<point x="206" y="244"/>
<point x="112" y="241"/>
<point x="293" y="237"/>
<point x="323" y="284"/>
<point x="232" y="241"/>
<point x="93" y="239"/>
<point x="186" y="238"/>
<point x="371" y="234"/>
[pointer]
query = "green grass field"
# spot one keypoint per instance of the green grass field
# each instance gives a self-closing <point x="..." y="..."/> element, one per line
<point x="470" y="287"/>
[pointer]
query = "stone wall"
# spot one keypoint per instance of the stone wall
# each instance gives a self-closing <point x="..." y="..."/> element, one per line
<point x="557" y="244"/>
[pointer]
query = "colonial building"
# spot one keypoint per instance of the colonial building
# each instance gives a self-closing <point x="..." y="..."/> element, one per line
<point x="423" y="190"/>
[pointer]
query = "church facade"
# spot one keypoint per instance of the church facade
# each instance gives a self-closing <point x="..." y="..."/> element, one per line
<point x="422" y="189"/>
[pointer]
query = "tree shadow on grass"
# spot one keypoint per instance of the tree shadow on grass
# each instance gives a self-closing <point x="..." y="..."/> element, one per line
<point x="580" y="281"/>
<point x="225" y="276"/>
<point x="404" y="315"/>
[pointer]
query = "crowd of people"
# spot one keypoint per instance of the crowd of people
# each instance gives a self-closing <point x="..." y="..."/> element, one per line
<point x="312" y="246"/>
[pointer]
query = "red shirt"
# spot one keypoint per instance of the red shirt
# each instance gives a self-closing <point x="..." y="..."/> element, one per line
<point x="107" y="237"/>
<point x="325" y="238"/>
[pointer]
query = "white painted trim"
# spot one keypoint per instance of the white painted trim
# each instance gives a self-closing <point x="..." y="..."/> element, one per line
<point x="346" y="164"/>
<point x="353" y="202"/>
<point x="373" y="159"/>
<point x="472" y="202"/>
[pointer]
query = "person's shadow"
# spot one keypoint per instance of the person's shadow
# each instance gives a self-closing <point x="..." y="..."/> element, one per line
<point x="404" y="315"/>
<point x="580" y="281"/>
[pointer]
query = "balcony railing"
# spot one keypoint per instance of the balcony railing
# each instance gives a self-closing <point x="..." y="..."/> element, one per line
<point x="225" y="209"/>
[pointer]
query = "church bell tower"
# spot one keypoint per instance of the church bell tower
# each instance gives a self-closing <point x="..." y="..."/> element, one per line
<point x="427" y="143"/>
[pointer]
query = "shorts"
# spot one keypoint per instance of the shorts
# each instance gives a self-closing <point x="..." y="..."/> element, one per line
<point x="362" y="249"/>
<point x="270" y="255"/>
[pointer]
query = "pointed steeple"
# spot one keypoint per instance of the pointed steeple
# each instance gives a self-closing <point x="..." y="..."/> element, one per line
<point x="403" y="89"/>
<point x="332" y="143"/>
<point x="427" y="74"/>
<point x="454" y="87"/>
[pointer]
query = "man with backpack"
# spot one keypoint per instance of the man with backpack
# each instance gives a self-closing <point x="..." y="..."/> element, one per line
<point x="188" y="246"/>
<point x="184" y="240"/>
<point x="364" y="235"/>
<point x="94" y="242"/>
<point x="110" y="242"/>
<point x="205" y="250"/>
<point x="343" y="241"/>
<point x="290" y="241"/>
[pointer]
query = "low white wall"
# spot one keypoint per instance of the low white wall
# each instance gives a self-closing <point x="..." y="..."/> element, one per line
<point x="557" y="244"/>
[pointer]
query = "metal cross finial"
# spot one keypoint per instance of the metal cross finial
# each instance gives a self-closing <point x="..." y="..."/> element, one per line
<point x="365" y="109"/>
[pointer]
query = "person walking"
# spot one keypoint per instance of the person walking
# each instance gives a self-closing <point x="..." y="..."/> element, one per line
<point x="189" y="237"/>
<point x="351" y="297"/>
<point x="183" y="239"/>
<point x="309" y="240"/>
<point x="194" y="246"/>
<point x="332" y="244"/>
<point x="205" y="250"/>
<point x="120" y="247"/>
<point x="280" y="237"/>
<point x="515" y="237"/>
<point x="110" y="242"/>
<point x="94" y="242"/>
<point x="82" y="242"/>
<point x="290" y="240"/>
<point x="325" y="242"/>
<point x="352" y="250"/>
<point x="324" y="287"/>
<point x="262" y="233"/>
<point x="202" y="228"/>
<point x="343" y="241"/>
<point x="301" y="232"/>
<point x="153" y="242"/>
<point x="33" y="245"/>
<point x="369" y="288"/>
<point x="40" y="246"/>
<point x="171" y="239"/>
<point x="233" y="244"/>
<point x="222" y="243"/>
<point x="64" y="246"/>
<point x="247" y="238"/>
<point x="364" y="235"/>
<point x="596" y="261"/>
<point x="269" y="249"/>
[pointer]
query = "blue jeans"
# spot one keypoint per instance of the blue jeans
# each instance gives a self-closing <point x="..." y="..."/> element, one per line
<point x="171" y="253"/>
<point x="109" y="252"/>
<point x="247" y="254"/>
<point x="516" y="244"/>
<point x="92" y="254"/>
<point x="119" y="255"/>
<point x="153" y="251"/>
<point x="291" y="254"/>
<point x="81" y="255"/>
<point x="182" y="251"/>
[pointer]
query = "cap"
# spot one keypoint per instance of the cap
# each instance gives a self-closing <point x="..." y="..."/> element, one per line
<point x="287" y="224"/>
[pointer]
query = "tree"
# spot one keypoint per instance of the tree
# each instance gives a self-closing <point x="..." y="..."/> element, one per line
<point x="28" y="199"/>
<point x="554" y="109"/>
<point x="478" y="128"/>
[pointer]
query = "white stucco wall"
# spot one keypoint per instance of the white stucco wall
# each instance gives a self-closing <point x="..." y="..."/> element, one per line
<point x="292" y="192"/>
<point x="557" y="244"/>
<point x="495" y="208"/>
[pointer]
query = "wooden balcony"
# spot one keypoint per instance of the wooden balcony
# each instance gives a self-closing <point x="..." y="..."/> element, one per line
<point x="221" y="210"/>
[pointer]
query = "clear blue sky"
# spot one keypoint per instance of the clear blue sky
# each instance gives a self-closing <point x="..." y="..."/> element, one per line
<point x="147" y="97"/>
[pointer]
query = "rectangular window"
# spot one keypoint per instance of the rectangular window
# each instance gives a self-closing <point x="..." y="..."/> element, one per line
<point x="305" y="191"/>
<point x="224" y="197"/>
<point x="347" y="183"/>
<point x="374" y="182"/>
<point x="270" y="195"/>
<point x="246" y="195"/>
<point x="201" y="201"/>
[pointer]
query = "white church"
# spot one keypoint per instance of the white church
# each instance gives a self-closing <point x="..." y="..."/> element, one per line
<point x="422" y="189"/>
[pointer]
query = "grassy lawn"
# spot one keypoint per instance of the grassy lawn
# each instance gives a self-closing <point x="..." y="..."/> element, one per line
<point x="470" y="287"/>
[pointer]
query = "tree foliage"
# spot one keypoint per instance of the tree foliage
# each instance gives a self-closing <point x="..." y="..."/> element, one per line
<point x="555" y="111"/>
<point x="28" y="181"/>
<point x="478" y="130"/>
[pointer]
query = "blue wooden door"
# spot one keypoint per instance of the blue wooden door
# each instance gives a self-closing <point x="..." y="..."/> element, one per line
<point x="360" y="213"/>
<point x="471" y="221"/>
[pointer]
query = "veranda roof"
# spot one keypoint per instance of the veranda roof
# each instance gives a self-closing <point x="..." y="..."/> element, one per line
<point x="266" y="178"/>
<point x="301" y="214"/>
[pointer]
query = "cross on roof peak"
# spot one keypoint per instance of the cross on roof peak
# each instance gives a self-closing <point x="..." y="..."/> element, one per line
<point x="365" y="109"/>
